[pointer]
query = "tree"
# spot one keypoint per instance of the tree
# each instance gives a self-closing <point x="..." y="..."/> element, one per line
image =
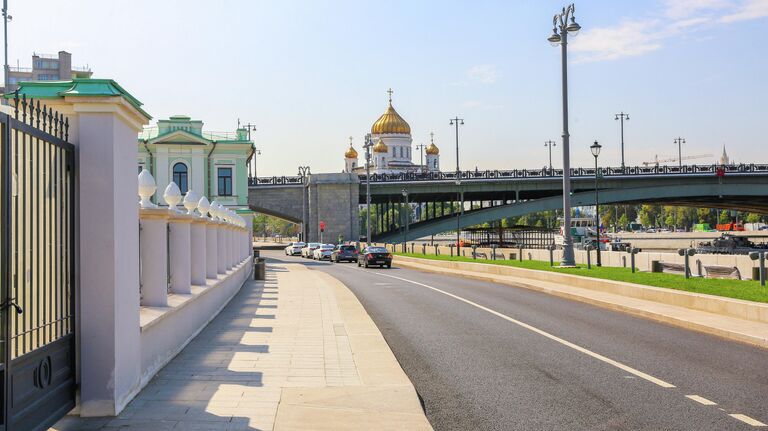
<point x="724" y="217"/>
<point x="623" y="221"/>
<point x="753" y="218"/>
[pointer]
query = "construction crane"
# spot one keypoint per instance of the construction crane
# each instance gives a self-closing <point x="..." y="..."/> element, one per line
<point x="656" y="160"/>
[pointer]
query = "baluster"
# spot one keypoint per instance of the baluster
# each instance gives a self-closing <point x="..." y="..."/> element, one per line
<point x="16" y="104"/>
<point x="24" y="108"/>
<point x="37" y="112"/>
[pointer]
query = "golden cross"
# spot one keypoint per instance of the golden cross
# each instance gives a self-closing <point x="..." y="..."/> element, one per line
<point x="432" y="137"/>
<point x="390" y="95"/>
<point x="350" y="141"/>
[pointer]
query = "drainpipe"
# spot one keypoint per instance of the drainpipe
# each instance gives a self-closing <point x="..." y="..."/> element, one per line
<point x="208" y="160"/>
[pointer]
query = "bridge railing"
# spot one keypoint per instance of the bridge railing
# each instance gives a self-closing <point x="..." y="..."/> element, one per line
<point x="713" y="169"/>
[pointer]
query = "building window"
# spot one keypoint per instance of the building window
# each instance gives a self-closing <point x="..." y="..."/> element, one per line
<point x="180" y="176"/>
<point x="225" y="181"/>
<point x="47" y="77"/>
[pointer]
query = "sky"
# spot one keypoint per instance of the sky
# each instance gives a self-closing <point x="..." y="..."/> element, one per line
<point x="310" y="74"/>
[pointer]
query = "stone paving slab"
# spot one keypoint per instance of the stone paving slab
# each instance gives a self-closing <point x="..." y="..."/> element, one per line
<point x="297" y="348"/>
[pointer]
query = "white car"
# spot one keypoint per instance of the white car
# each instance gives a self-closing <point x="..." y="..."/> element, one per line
<point x="309" y="249"/>
<point x="323" y="252"/>
<point x="294" y="248"/>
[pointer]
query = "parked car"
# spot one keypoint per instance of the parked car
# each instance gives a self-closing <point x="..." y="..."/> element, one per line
<point x="294" y="248"/>
<point x="307" y="251"/>
<point x="346" y="253"/>
<point x="374" y="256"/>
<point x="323" y="252"/>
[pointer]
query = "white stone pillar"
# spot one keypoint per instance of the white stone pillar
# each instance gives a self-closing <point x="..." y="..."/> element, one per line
<point x="211" y="247"/>
<point x="103" y="126"/>
<point x="221" y="241"/>
<point x="153" y="254"/>
<point x="180" y="253"/>
<point x="199" y="251"/>
<point x="228" y="250"/>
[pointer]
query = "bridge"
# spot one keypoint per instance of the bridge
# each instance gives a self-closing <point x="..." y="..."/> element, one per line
<point x="497" y="194"/>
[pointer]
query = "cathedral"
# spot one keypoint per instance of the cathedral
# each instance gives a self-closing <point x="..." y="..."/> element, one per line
<point x="392" y="150"/>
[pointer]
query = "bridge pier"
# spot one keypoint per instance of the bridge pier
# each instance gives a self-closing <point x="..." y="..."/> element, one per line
<point x="333" y="199"/>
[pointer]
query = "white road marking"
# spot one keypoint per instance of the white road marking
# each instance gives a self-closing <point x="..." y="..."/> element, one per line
<point x="701" y="400"/>
<point x="573" y="346"/>
<point x="747" y="420"/>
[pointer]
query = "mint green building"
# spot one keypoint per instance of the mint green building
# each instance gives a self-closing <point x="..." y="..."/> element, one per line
<point x="213" y="164"/>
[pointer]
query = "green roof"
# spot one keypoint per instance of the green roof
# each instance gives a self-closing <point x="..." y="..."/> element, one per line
<point x="85" y="87"/>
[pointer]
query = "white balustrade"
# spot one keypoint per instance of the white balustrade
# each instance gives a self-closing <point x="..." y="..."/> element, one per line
<point x="153" y="254"/>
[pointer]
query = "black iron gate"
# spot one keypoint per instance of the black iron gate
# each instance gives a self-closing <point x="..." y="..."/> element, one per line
<point x="37" y="261"/>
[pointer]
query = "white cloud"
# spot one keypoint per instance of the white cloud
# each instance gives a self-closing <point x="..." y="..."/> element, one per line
<point x="638" y="37"/>
<point x="678" y="9"/>
<point x="750" y="9"/>
<point x="484" y="74"/>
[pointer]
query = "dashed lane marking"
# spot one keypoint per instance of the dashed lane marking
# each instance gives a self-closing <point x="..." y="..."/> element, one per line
<point x="701" y="400"/>
<point x="747" y="420"/>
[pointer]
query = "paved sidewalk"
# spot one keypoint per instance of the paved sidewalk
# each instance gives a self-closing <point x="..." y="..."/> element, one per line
<point x="742" y="330"/>
<point x="297" y="352"/>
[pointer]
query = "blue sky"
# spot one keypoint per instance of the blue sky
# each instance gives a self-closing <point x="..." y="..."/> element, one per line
<point x="310" y="74"/>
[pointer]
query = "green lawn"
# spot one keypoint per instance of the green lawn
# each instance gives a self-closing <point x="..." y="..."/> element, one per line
<point x="739" y="289"/>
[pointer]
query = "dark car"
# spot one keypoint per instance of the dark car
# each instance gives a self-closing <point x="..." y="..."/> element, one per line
<point x="374" y="256"/>
<point x="343" y="253"/>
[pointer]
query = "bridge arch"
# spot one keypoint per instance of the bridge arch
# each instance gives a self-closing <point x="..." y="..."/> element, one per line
<point x="743" y="196"/>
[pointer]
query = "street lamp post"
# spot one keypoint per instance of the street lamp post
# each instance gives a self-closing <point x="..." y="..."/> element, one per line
<point x="7" y="69"/>
<point x="368" y="144"/>
<point x="405" y="217"/>
<point x="250" y="128"/>
<point x="622" y="116"/>
<point x="421" y="158"/>
<point x="560" y="31"/>
<point x="458" y="216"/>
<point x="550" y="144"/>
<point x="303" y="173"/>
<point x="458" y="122"/>
<point x="595" y="148"/>
<point x="255" y="153"/>
<point x="680" y="141"/>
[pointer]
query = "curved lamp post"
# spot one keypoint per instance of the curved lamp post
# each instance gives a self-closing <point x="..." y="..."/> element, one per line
<point x="622" y="116"/>
<point x="368" y="145"/>
<point x="595" y="148"/>
<point x="561" y="29"/>
<point x="405" y="216"/>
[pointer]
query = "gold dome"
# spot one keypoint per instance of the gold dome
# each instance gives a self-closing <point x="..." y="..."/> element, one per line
<point x="432" y="149"/>
<point x="351" y="153"/>
<point x="380" y="147"/>
<point x="390" y="122"/>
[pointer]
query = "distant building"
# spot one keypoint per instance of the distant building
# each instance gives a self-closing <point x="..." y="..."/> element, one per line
<point x="213" y="164"/>
<point x="46" y="67"/>
<point x="392" y="154"/>
<point x="724" y="159"/>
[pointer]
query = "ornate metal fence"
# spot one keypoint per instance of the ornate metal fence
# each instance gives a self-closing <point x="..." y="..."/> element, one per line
<point x="630" y="171"/>
<point x="38" y="261"/>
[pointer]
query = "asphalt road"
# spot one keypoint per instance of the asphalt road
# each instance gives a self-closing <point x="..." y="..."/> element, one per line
<point x="486" y="356"/>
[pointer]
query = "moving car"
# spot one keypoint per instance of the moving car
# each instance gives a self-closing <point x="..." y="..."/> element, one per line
<point x="346" y="253"/>
<point x="323" y="252"/>
<point x="374" y="256"/>
<point x="294" y="248"/>
<point x="307" y="251"/>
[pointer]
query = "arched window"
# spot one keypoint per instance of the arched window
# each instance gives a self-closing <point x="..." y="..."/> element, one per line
<point x="180" y="176"/>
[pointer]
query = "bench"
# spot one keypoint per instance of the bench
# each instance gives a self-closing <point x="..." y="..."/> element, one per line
<point x="716" y="271"/>
<point x="669" y="267"/>
<point x="481" y="255"/>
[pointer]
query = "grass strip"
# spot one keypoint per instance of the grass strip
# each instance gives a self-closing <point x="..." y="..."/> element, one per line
<point x="739" y="289"/>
